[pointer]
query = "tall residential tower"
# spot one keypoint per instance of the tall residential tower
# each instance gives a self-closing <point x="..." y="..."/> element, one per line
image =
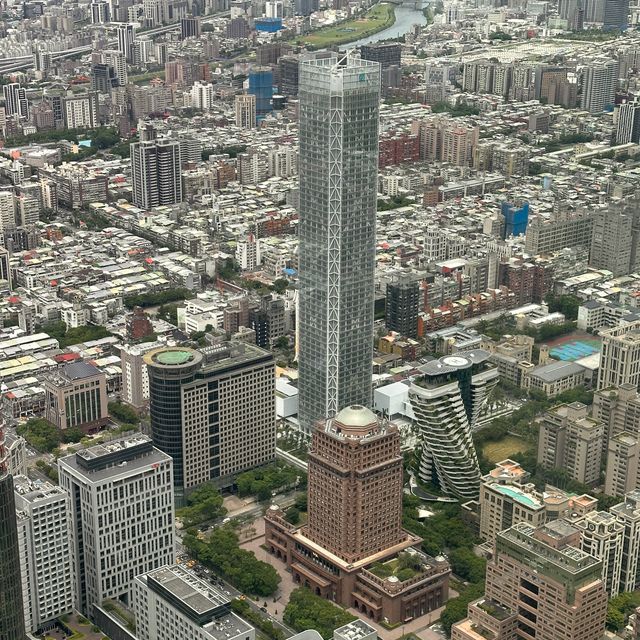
<point x="447" y="399"/>
<point x="339" y="102"/>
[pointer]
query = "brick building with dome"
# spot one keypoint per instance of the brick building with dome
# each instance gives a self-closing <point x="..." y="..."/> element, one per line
<point x="353" y="549"/>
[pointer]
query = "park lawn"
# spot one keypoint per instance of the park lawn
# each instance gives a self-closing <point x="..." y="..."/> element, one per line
<point x="505" y="448"/>
<point x="379" y="17"/>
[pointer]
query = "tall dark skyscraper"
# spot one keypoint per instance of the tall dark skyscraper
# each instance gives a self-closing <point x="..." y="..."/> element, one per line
<point x="616" y="15"/>
<point x="11" y="607"/>
<point x="402" y="306"/>
<point x="339" y="104"/>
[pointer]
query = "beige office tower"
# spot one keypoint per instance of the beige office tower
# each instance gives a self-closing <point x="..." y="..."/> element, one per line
<point x="618" y="408"/>
<point x="246" y="111"/>
<point x="538" y="585"/>
<point x="569" y="439"/>
<point x="627" y="513"/>
<point x="621" y="476"/>
<point x="213" y="411"/>
<point x="620" y="356"/>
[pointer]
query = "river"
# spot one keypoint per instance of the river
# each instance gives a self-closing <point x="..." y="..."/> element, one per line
<point x="406" y="16"/>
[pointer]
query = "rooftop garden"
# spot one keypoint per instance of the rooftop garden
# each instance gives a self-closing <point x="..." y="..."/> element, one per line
<point x="404" y="567"/>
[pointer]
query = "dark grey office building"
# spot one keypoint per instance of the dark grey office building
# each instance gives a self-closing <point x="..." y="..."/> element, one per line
<point x="616" y="15"/>
<point x="402" y="305"/>
<point x="386" y="54"/>
<point x="190" y="27"/>
<point x="12" y="625"/>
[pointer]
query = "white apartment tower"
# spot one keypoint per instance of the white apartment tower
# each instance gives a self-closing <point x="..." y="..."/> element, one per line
<point x="122" y="516"/>
<point x="7" y="211"/>
<point x="602" y="536"/>
<point x="155" y="172"/>
<point x="246" y="111"/>
<point x="599" y="82"/>
<point x="43" y="538"/>
<point x="620" y="359"/>
<point x="627" y="513"/>
<point x="15" y="100"/>
<point x="81" y="112"/>
<point x="135" y="378"/>
<point x="126" y="37"/>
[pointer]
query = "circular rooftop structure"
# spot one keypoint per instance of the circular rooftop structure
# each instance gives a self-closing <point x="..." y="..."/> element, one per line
<point x="173" y="358"/>
<point x="455" y="361"/>
<point x="356" y="416"/>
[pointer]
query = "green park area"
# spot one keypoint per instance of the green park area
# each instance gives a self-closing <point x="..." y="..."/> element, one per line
<point x="379" y="17"/>
<point x="505" y="448"/>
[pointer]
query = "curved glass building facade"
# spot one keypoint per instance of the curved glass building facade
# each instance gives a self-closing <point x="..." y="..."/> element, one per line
<point x="170" y="369"/>
<point x="339" y="104"/>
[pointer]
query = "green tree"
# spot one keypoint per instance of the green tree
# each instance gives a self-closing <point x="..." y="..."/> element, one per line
<point x="203" y="504"/>
<point x="123" y="413"/>
<point x="158" y="298"/>
<point x="566" y="304"/>
<point x="293" y="515"/>
<point x="240" y="567"/>
<point x="308" y="611"/>
<point x="242" y="608"/>
<point x="456" y="608"/>
<point x="40" y="434"/>
<point x="280" y="285"/>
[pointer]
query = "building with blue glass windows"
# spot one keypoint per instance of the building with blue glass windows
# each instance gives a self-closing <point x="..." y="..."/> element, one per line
<point x="516" y="218"/>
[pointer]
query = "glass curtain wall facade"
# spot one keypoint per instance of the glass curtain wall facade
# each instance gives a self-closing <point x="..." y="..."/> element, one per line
<point x="339" y="108"/>
<point x="12" y="625"/>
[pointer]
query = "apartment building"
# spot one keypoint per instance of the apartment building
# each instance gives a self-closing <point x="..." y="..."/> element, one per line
<point x="618" y="408"/>
<point x="569" y="439"/>
<point x="44" y="545"/>
<point x="597" y="314"/>
<point x="620" y="356"/>
<point x="170" y="603"/>
<point x="623" y="454"/>
<point x="563" y="229"/>
<point x="135" y="378"/>
<point x="508" y="354"/>
<point x="76" y="397"/>
<point x="602" y="536"/>
<point x="506" y="498"/>
<point x="627" y="513"/>
<point x="122" y="517"/>
<point x="212" y="411"/>
<point x="245" y="109"/>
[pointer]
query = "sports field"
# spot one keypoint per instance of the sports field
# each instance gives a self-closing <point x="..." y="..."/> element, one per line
<point x="574" y="346"/>
<point x="379" y="17"/>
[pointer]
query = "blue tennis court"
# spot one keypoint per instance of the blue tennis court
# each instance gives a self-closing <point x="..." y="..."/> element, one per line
<point x="574" y="350"/>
